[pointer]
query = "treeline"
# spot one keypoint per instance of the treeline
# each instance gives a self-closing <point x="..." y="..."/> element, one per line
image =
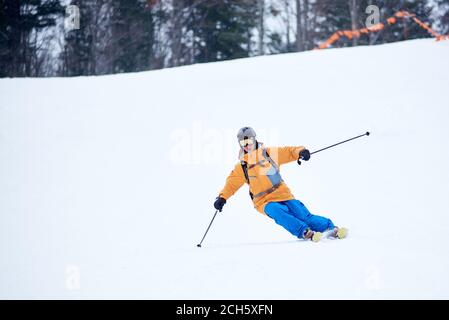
<point x="118" y="36"/>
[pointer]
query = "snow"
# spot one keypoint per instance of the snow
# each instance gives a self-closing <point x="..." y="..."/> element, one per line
<point x="107" y="183"/>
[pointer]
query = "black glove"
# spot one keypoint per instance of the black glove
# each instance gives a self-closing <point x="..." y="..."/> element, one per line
<point x="219" y="203"/>
<point x="304" y="155"/>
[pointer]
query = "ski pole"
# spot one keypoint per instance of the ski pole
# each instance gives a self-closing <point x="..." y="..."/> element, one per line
<point x="199" y="244"/>
<point x="336" y="144"/>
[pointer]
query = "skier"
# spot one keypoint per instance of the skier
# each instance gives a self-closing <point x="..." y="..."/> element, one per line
<point x="259" y="168"/>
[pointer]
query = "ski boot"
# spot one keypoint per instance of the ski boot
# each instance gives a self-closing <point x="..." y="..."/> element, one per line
<point x="315" y="236"/>
<point x="339" y="233"/>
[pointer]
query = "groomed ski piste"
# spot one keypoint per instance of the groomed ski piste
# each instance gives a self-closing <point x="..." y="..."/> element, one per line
<point x="107" y="183"/>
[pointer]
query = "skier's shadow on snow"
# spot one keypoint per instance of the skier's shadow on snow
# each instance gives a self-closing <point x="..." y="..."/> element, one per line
<point x="251" y="244"/>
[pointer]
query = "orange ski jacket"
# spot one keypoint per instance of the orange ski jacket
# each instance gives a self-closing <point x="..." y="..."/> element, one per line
<point x="264" y="180"/>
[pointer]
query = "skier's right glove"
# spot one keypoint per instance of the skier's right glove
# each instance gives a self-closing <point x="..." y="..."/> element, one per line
<point x="219" y="203"/>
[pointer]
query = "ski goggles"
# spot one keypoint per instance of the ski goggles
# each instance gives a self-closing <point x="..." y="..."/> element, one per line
<point x="247" y="141"/>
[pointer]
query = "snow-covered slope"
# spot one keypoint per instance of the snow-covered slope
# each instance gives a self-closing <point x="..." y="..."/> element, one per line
<point x="107" y="183"/>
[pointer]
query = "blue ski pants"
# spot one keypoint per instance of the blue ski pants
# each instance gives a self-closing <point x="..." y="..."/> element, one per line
<point x="295" y="218"/>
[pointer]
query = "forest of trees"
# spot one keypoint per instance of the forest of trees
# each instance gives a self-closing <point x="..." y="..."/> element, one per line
<point x="116" y="36"/>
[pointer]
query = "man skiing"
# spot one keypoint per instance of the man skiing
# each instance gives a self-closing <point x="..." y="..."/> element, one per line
<point x="259" y="168"/>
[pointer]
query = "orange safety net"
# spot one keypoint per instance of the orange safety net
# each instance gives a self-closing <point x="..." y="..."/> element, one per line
<point x="350" y="34"/>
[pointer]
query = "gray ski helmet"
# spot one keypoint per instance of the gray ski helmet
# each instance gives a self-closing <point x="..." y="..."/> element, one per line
<point x="246" y="132"/>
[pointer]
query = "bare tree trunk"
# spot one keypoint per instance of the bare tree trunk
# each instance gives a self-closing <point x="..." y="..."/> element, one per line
<point x="287" y="9"/>
<point x="353" y="11"/>
<point x="38" y="57"/>
<point x="261" y="26"/>
<point x="26" y="54"/>
<point x="176" y="33"/>
<point x="405" y="31"/>
<point x="305" y="34"/>
<point x="248" y="44"/>
<point x="156" y="8"/>
<point x="299" y="30"/>
<point x="93" y="47"/>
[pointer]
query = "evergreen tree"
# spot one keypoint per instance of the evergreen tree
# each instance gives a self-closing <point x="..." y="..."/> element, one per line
<point x="77" y="57"/>
<point x="404" y="29"/>
<point x="335" y="16"/>
<point x="21" y="22"/>
<point x="132" y="35"/>
<point x="442" y="24"/>
<point x="223" y="31"/>
<point x="115" y="36"/>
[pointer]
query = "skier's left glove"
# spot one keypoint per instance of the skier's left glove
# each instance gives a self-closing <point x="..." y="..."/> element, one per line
<point x="304" y="155"/>
<point x="219" y="203"/>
